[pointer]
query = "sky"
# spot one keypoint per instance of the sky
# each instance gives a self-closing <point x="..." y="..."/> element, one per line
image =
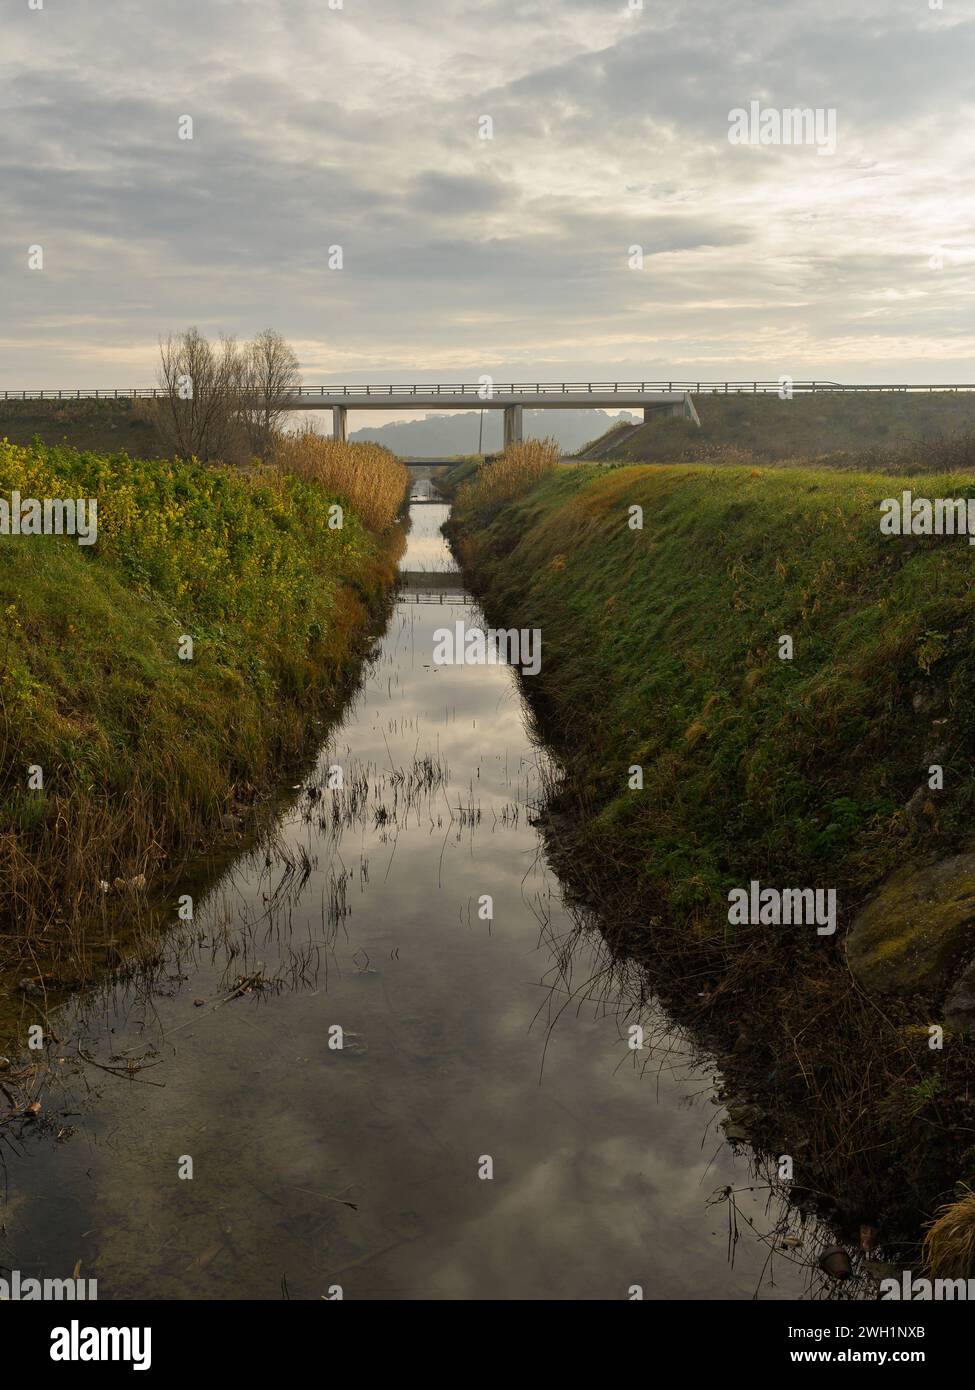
<point x="362" y="127"/>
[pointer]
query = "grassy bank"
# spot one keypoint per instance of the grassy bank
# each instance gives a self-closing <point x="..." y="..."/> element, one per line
<point x="105" y="426"/>
<point x="148" y="748"/>
<point x="853" y="429"/>
<point x="452" y="479"/>
<point x="661" y="651"/>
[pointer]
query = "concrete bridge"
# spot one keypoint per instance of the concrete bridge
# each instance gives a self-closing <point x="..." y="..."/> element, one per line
<point x="653" y="398"/>
<point x="512" y="399"/>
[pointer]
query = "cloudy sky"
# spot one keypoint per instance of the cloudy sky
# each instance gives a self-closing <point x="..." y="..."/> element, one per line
<point x="359" y="127"/>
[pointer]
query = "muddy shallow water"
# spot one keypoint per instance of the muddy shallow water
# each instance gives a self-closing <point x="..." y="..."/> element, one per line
<point x="465" y="1039"/>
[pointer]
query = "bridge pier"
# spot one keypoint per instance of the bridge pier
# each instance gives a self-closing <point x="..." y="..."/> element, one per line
<point x="650" y="411"/>
<point x="684" y="408"/>
<point x="513" y="431"/>
<point x="339" y="416"/>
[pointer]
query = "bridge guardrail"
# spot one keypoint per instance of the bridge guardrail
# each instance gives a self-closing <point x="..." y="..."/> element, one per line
<point x="473" y="391"/>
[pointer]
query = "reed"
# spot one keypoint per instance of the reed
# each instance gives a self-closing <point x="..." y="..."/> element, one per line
<point x="368" y="477"/>
<point x="949" y="1240"/>
<point x="514" y="473"/>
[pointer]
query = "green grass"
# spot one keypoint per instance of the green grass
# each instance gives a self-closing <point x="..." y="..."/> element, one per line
<point x="140" y="748"/>
<point x="660" y="649"/>
<point x="664" y="645"/>
<point x="462" y="472"/>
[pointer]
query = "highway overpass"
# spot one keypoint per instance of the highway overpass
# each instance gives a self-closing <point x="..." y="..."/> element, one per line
<point x="652" y="397"/>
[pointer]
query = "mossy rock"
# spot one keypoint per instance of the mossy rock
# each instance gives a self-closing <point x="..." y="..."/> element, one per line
<point x="960" y="1002"/>
<point x="914" y="934"/>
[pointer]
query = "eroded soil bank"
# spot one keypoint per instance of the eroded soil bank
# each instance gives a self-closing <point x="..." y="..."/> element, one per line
<point x="695" y="760"/>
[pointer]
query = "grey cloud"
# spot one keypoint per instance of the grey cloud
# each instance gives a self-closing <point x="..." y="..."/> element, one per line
<point x="358" y="127"/>
<point x="451" y="195"/>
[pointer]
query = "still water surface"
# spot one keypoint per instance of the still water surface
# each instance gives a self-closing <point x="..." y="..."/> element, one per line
<point x="464" y="1039"/>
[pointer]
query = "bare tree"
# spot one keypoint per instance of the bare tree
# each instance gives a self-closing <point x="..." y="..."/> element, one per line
<point x="269" y="376"/>
<point x="225" y="402"/>
<point x="202" y="385"/>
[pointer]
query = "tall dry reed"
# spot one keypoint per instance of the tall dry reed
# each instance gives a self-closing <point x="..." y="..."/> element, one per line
<point x="368" y="477"/>
<point x="949" y="1241"/>
<point x="516" y="472"/>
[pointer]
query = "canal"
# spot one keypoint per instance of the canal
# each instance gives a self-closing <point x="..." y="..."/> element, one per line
<point x="383" y="1059"/>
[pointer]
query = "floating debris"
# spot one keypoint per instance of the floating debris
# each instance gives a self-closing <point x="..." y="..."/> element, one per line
<point x="136" y="884"/>
<point x="836" y="1262"/>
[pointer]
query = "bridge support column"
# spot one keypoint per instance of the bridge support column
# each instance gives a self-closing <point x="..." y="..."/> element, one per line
<point x="513" y="432"/>
<point x="685" y="409"/>
<point x="650" y="411"/>
<point x="339" y="416"/>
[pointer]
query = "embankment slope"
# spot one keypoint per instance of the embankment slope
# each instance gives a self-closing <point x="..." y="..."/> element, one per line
<point x="766" y="429"/>
<point x="146" y="745"/>
<point x="661" y="651"/>
<point x="106" y="426"/>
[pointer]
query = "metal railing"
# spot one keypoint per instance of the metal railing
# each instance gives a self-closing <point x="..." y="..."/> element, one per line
<point x="467" y="390"/>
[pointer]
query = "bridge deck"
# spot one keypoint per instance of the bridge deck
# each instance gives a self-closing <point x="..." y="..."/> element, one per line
<point x="500" y="395"/>
<point x="500" y="398"/>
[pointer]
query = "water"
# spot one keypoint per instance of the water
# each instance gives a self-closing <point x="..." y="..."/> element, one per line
<point x="466" y="1039"/>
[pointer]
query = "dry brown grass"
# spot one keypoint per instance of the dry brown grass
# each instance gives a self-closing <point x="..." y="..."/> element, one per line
<point x="516" y="472"/>
<point x="371" y="480"/>
<point x="949" y="1241"/>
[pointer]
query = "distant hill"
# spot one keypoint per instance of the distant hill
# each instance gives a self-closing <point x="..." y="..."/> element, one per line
<point x="442" y="436"/>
